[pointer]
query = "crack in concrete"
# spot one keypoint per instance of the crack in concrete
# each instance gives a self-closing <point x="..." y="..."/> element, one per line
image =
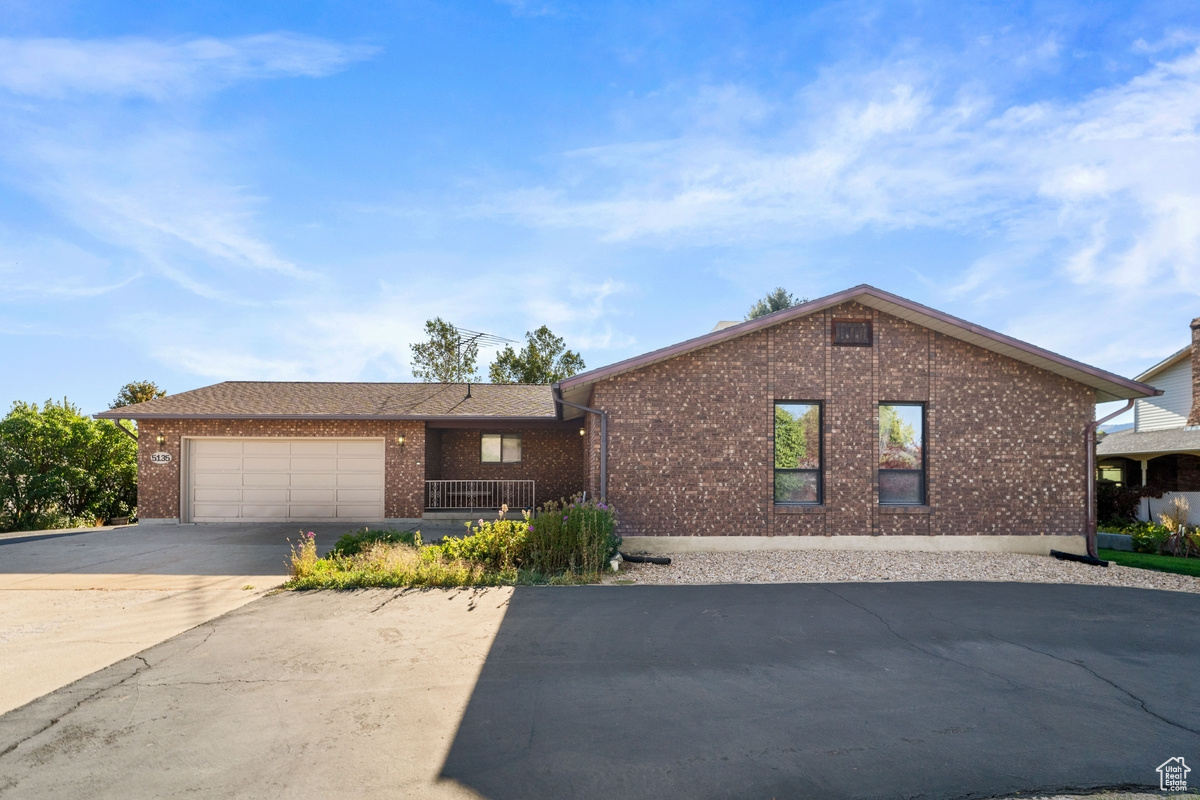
<point x="1141" y="703"/>
<point x="1079" y="663"/>
<point x="75" y="706"/>
<point x="941" y="656"/>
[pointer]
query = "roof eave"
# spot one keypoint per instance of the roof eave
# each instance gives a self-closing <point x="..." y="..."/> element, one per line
<point x="1112" y="387"/>
<point x="413" y="417"/>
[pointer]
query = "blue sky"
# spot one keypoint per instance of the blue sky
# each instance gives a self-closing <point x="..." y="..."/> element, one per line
<point x="196" y="192"/>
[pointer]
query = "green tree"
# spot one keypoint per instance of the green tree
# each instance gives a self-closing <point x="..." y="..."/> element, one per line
<point x="445" y="357"/>
<point x="57" y="466"/>
<point x="137" y="392"/>
<point x="132" y="394"/>
<point x="545" y="359"/>
<point x="775" y="301"/>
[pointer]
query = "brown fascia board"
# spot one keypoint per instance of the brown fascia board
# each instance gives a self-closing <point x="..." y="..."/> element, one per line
<point x="358" y="417"/>
<point x="899" y="307"/>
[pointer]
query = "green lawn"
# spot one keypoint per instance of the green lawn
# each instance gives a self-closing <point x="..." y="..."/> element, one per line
<point x="1182" y="566"/>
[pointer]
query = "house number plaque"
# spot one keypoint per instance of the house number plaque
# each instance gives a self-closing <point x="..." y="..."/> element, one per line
<point x="160" y="457"/>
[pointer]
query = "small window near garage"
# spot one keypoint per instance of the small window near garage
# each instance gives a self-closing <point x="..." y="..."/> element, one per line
<point x="902" y="454"/>
<point x="852" y="332"/>
<point x="798" y="453"/>
<point x="498" y="448"/>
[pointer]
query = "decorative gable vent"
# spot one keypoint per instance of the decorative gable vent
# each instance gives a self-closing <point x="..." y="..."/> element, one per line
<point x="852" y="332"/>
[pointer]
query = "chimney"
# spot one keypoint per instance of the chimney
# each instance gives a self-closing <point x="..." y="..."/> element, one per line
<point x="1194" y="416"/>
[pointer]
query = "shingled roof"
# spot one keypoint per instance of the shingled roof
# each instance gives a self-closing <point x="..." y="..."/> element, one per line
<point x="313" y="400"/>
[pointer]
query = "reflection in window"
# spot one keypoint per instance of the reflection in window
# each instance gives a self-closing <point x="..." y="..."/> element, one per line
<point x="797" y="453"/>
<point x="500" y="448"/>
<point x="902" y="454"/>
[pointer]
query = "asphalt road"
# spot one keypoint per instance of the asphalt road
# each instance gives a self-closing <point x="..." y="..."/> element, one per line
<point x="937" y="690"/>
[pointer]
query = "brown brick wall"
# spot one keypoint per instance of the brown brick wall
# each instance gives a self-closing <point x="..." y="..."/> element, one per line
<point x="550" y="457"/>
<point x="690" y="439"/>
<point x="404" y="473"/>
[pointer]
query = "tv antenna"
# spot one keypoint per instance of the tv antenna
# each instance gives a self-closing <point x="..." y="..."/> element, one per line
<point x="466" y="336"/>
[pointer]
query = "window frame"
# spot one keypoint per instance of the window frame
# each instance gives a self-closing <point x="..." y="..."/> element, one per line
<point x="502" y="436"/>
<point x="924" y="471"/>
<point x="833" y="327"/>
<point x="820" y="470"/>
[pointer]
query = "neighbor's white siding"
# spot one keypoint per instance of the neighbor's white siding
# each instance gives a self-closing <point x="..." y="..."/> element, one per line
<point x="1169" y="410"/>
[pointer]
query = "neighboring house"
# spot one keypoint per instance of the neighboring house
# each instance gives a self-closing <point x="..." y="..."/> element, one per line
<point x="1162" y="449"/>
<point x="858" y="420"/>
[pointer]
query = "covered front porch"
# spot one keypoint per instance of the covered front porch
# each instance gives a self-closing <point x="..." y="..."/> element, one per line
<point x="474" y="468"/>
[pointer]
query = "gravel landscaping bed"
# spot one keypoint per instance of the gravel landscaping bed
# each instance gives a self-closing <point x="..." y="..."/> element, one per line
<point x="816" y="566"/>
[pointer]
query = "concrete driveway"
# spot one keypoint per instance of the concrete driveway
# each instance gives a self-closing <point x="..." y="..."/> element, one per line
<point x="938" y="690"/>
<point x="72" y="602"/>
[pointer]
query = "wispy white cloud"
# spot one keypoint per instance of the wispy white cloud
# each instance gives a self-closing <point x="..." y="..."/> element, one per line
<point x="157" y="180"/>
<point x="162" y="70"/>
<point x="1107" y="187"/>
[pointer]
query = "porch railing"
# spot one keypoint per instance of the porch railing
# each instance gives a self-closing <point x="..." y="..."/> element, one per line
<point x="478" y="494"/>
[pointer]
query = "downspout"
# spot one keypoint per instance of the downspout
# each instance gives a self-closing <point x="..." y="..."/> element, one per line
<point x="124" y="430"/>
<point x="1089" y="439"/>
<point x="558" y="398"/>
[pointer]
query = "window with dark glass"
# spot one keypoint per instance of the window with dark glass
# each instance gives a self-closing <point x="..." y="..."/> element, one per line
<point x="798" y="453"/>
<point x="500" y="448"/>
<point x="902" y="454"/>
<point x="852" y="332"/>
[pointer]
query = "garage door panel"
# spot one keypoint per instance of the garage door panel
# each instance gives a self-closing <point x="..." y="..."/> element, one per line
<point x="286" y="479"/>
<point x="359" y="496"/>
<point x="302" y="495"/>
<point x="314" y="478"/>
<point x="279" y="495"/>
<point x="313" y="511"/>
<point x="265" y="511"/>
<point x="314" y="464"/>
<point x="206" y="463"/>
<point x="264" y="478"/>
<point x="360" y="479"/>
<point x="215" y="511"/>
<point x="266" y="448"/>
<point x="358" y="464"/>
<point x="265" y="463"/>
<point x="217" y="495"/>
<point x="204" y="480"/>
<point x="314" y="448"/>
<point x="216" y="447"/>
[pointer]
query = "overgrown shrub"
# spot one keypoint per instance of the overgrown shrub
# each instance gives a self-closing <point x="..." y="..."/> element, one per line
<point x="498" y="545"/>
<point x="304" y="555"/>
<point x="1147" y="537"/>
<point x="352" y="543"/>
<point x="578" y="537"/>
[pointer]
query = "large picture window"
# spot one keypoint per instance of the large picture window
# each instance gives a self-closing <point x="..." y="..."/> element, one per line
<point x="902" y="454"/>
<point x="798" y="453"/>
<point x="500" y="448"/>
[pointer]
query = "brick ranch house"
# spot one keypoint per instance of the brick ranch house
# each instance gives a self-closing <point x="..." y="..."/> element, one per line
<point x="857" y="420"/>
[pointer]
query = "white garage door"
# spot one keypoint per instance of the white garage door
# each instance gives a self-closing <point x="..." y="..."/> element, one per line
<point x="280" y="479"/>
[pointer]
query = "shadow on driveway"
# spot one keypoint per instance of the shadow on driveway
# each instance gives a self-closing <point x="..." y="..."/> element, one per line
<point x="842" y="690"/>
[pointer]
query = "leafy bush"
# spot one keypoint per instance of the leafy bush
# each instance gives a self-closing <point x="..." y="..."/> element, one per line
<point x="58" y="467"/>
<point x="1148" y="537"/>
<point x="577" y="537"/>
<point x="498" y="545"/>
<point x="352" y="543"/>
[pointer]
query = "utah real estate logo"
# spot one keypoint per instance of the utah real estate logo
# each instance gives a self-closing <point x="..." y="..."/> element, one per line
<point x="1172" y="775"/>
